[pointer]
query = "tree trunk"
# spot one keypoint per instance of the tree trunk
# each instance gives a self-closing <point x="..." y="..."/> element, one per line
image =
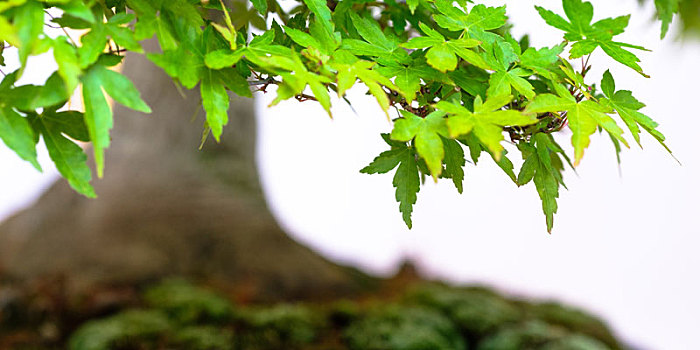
<point x="166" y="208"/>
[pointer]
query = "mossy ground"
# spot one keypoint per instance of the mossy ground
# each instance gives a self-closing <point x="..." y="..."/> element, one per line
<point x="176" y="314"/>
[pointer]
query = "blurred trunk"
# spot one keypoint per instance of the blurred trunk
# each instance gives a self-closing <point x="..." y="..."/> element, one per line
<point x="166" y="208"/>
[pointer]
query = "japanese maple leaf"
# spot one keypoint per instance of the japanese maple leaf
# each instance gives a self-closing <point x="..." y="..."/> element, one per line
<point x="408" y="77"/>
<point x="584" y="117"/>
<point x="476" y="23"/>
<point x="628" y="108"/>
<point x="407" y="177"/>
<point x="376" y="43"/>
<point x="543" y="165"/>
<point x="348" y="74"/>
<point x="542" y="61"/>
<point x="426" y="132"/>
<point x="486" y="121"/>
<point x="587" y="37"/>
<point x="443" y="53"/>
<point x="501" y="56"/>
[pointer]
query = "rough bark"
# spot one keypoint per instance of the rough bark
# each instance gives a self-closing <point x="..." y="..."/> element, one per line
<point x="166" y="208"/>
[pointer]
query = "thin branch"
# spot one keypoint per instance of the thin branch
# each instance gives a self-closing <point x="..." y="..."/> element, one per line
<point x="62" y="28"/>
<point x="304" y="97"/>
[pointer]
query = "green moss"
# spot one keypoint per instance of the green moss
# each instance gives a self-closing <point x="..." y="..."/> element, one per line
<point x="284" y="326"/>
<point x="123" y="330"/>
<point x="476" y="311"/>
<point x="537" y="335"/>
<point x="203" y="338"/>
<point x="186" y="303"/>
<point x="431" y="316"/>
<point x="573" y="320"/>
<point x="576" y="342"/>
<point x="404" y="328"/>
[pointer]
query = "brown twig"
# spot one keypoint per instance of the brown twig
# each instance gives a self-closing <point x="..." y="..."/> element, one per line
<point x="304" y="97"/>
<point x="62" y="28"/>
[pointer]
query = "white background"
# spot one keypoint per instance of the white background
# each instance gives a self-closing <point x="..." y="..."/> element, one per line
<point x="625" y="240"/>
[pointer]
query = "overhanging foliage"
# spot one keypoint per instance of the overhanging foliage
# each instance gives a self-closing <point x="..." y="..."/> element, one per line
<point x="452" y="70"/>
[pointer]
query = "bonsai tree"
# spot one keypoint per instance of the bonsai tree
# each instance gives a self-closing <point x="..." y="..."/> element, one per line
<point x="450" y="75"/>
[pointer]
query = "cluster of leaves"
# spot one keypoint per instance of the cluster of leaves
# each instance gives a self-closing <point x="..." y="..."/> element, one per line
<point x="451" y="69"/>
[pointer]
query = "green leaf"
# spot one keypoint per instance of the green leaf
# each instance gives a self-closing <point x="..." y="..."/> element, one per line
<point x="8" y="83"/>
<point x="454" y="162"/>
<point x="554" y="19"/>
<point x="442" y="54"/>
<point x="505" y="164"/>
<point x="588" y="37"/>
<point x="542" y="164"/>
<point x="29" y="21"/>
<point x="98" y="118"/>
<point x="6" y="5"/>
<point x="475" y="147"/>
<point x="618" y="149"/>
<point x="442" y="58"/>
<point x="32" y="97"/>
<point x="222" y="58"/>
<point x="121" y="89"/>
<point x="123" y="37"/>
<point x="349" y="73"/>
<point x="8" y="33"/>
<point x="607" y="85"/>
<point x="584" y="118"/>
<point x="303" y="39"/>
<point x="580" y="14"/>
<point x="70" y="123"/>
<point x="542" y="61"/>
<point x="17" y="134"/>
<point x="185" y="10"/>
<point x="235" y="82"/>
<point x="98" y="113"/>
<point x="527" y="171"/>
<point x="110" y="60"/>
<point x="227" y="33"/>
<point x="372" y="33"/>
<point x="407" y="184"/>
<point x="377" y="44"/>
<point x="385" y="161"/>
<point x="68" y="65"/>
<point x="427" y="132"/>
<point x="296" y="79"/>
<point x="406" y="180"/>
<point x="328" y="39"/>
<point x="501" y="54"/>
<point x="412" y="5"/>
<point x="408" y="77"/>
<point x="260" y="5"/>
<point x="548" y="190"/>
<point x="92" y="45"/>
<point x="665" y="9"/>
<point x="216" y="102"/>
<point x="546" y="152"/>
<point x="77" y="9"/>
<point x="164" y="35"/>
<point x="486" y="122"/>
<point x="180" y="64"/>
<point x="470" y="83"/>
<point x="502" y="82"/>
<point x="627" y="107"/>
<point x="323" y="14"/>
<point x="69" y="158"/>
<point x="479" y="20"/>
